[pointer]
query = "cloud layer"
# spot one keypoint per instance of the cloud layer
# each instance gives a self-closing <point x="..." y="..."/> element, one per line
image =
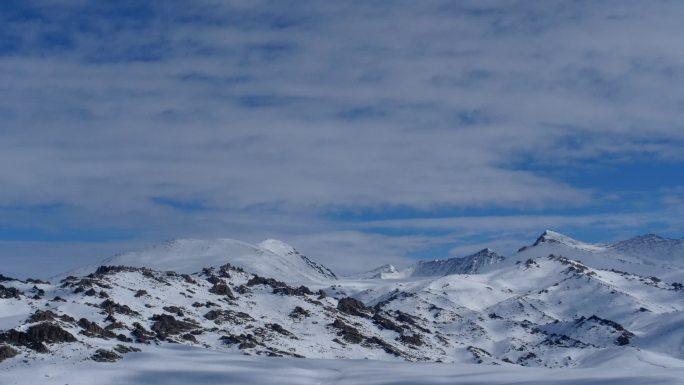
<point x="242" y="118"/>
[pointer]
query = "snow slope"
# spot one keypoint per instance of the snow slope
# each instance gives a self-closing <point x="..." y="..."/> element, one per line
<point x="182" y="365"/>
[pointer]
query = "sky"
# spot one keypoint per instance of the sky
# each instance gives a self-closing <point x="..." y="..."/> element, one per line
<point x="361" y="132"/>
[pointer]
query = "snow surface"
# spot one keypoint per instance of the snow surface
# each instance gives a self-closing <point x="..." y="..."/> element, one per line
<point x="184" y="365"/>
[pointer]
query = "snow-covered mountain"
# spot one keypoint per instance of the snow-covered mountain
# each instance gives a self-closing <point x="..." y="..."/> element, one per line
<point x="467" y="265"/>
<point x="540" y="307"/>
<point x="381" y="272"/>
<point x="645" y="255"/>
<point x="270" y="258"/>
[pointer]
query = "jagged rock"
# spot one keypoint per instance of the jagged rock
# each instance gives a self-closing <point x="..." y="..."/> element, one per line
<point x="49" y="333"/>
<point x="58" y="299"/>
<point x="90" y="292"/>
<point x="347" y="332"/>
<point x="37" y="281"/>
<point x="188" y="279"/>
<point x="123" y="349"/>
<point x="353" y="306"/>
<point x="386" y="323"/>
<point x="175" y="310"/>
<point x="244" y="341"/>
<point x="288" y="290"/>
<point x="4" y="278"/>
<point x="222" y="289"/>
<point x="40" y="316"/>
<point x="166" y="325"/>
<point x="7" y="352"/>
<point x="257" y="280"/>
<point x="141" y="334"/>
<point x="9" y="292"/>
<point x="104" y="355"/>
<point x="140" y="293"/>
<point x="110" y="270"/>
<point x="189" y="337"/>
<point x="214" y="280"/>
<point x="36" y="336"/>
<point x="388" y="348"/>
<point x="220" y="316"/>
<point x="91" y="329"/>
<point x="299" y="312"/>
<point x="279" y="329"/>
<point x="413" y="339"/>
<point x="110" y="307"/>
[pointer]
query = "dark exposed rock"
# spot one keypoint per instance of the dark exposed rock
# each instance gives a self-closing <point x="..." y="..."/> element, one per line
<point x="220" y="316"/>
<point x="214" y="280"/>
<point x="9" y="292"/>
<point x="189" y="337"/>
<point x="110" y="307"/>
<point x="347" y="332"/>
<point x="123" y="349"/>
<point x="175" y="310"/>
<point x="140" y="293"/>
<point x="353" y="306"/>
<point x="244" y="341"/>
<point x="36" y="335"/>
<point x="299" y="312"/>
<point x="108" y="270"/>
<point x="166" y="325"/>
<point x="49" y="333"/>
<point x="242" y="289"/>
<point x="321" y="294"/>
<point x="279" y="329"/>
<point x="386" y="323"/>
<point x="104" y="355"/>
<point x="40" y="316"/>
<point x="37" y="281"/>
<point x="287" y="290"/>
<point x="123" y="338"/>
<point x="91" y="329"/>
<point x="58" y="299"/>
<point x="480" y="354"/>
<point x="90" y="292"/>
<point x="222" y="289"/>
<point x="413" y="339"/>
<point x="19" y="338"/>
<point x="141" y="334"/>
<point x="388" y="348"/>
<point x="4" y="278"/>
<point x="623" y="339"/>
<point x="257" y="280"/>
<point x="188" y="279"/>
<point x="7" y="352"/>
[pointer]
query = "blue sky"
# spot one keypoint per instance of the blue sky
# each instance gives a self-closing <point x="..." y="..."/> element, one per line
<point x="360" y="132"/>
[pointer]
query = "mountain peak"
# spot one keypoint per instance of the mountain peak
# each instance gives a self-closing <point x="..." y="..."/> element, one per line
<point x="278" y="247"/>
<point x="553" y="236"/>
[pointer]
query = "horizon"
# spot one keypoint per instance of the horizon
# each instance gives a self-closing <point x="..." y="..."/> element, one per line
<point x="361" y="133"/>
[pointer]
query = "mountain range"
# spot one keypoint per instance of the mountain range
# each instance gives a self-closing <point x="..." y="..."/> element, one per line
<point x="556" y="303"/>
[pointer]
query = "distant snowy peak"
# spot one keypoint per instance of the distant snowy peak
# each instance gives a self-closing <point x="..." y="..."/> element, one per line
<point x="381" y="272"/>
<point x="645" y="254"/>
<point x="651" y="246"/>
<point x="283" y="249"/>
<point x="552" y="237"/>
<point x="270" y="258"/>
<point x="466" y="265"/>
